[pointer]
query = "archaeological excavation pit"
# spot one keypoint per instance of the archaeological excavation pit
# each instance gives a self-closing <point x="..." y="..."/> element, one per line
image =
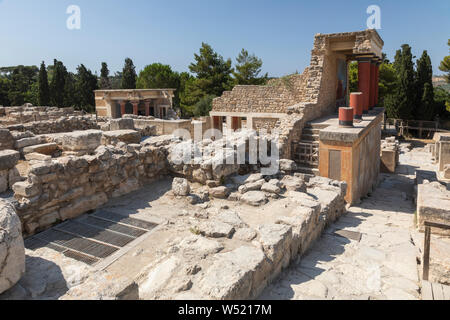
<point x="92" y="237"/>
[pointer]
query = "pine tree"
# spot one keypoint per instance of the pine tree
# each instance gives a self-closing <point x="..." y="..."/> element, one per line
<point x="129" y="75"/>
<point x="104" y="77"/>
<point x="213" y="72"/>
<point x="44" y="90"/>
<point x="424" y="108"/>
<point x="248" y="68"/>
<point x="445" y="65"/>
<point x="58" y="83"/>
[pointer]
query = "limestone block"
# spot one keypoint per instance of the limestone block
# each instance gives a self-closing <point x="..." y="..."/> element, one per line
<point x="254" y="198"/>
<point x="271" y="188"/>
<point x="215" y="229"/>
<point x="221" y="192"/>
<point x="46" y="148"/>
<point x="447" y="171"/>
<point x="433" y="204"/>
<point x="30" y="141"/>
<point x="293" y="183"/>
<point x="3" y="180"/>
<point x="6" y="139"/>
<point x="81" y="205"/>
<point x="287" y="165"/>
<point x="12" y="251"/>
<point x="87" y="140"/>
<point x="252" y="186"/>
<point x="231" y="217"/>
<point x="8" y="159"/>
<point x="126" y="136"/>
<point x="180" y="187"/>
<point x="236" y="274"/>
<point x="388" y="160"/>
<point x="275" y="240"/>
<point x="26" y="189"/>
<point x="37" y="156"/>
<point x="121" y="124"/>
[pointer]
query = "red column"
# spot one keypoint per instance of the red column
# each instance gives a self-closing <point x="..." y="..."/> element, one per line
<point x="364" y="81"/>
<point x="122" y="108"/>
<point x="356" y="104"/>
<point x="147" y="108"/>
<point x="135" y="107"/>
<point x="372" y="85"/>
<point x="377" y="83"/>
<point x="346" y="117"/>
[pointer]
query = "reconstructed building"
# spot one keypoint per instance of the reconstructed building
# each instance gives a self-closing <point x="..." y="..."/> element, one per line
<point x="146" y="102"/>
<point x="290" y="103"/>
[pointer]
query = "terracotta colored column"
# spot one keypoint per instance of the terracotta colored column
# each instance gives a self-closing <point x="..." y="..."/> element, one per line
<point x="364" y="81"/>
<point x="346" y="117"/>
<point x="373" y="81"/>
<point x="135" y="107"/>
<point x="377" y="83"/>
<point x="122" y="108"/>
<point x="147" y="108"/>
<point x="356" y="104"/>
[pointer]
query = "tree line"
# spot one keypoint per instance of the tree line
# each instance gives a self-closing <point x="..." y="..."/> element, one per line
<point x="406" y="87"/>
<point x="210" y="75"/>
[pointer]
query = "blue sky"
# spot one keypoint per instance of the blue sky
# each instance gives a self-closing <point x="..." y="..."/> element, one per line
<point x="280" y="32"/>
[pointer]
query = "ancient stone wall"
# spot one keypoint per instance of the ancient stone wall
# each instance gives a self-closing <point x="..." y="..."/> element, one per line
<point x="23" y="114"/>
<point x="66" y="187"/>
<point x="274" y="97"/>
<point x="61" y="124"/>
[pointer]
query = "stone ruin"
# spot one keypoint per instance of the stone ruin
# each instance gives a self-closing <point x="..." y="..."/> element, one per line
<point x="51" y="177"/>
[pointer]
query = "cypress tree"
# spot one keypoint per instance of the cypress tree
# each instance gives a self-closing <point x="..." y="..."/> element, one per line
<point x="58" y="83"/>
<point x="401" y="103"/>
<point x="86" y="83"/>
<point x="424" y="108"/>
<point x="104" y="77"/>
<point x="44" y="90"/>
<point x="129" y="75"/>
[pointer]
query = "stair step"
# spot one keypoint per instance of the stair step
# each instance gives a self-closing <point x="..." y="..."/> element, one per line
<point x="308" y="170"/>
<point x="310" y="131"/>
<point x="316" y="125"/>
<point x="310" y="137"/>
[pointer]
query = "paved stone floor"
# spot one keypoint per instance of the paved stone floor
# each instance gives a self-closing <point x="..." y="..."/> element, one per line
<point x="382" y="265"/>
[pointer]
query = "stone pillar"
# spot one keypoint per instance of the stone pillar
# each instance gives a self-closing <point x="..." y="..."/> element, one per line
<point x="122" y="107"/>
<point x="364" y="81"/>
<point x="147" y="108"/>
<point x="135" y="107"/>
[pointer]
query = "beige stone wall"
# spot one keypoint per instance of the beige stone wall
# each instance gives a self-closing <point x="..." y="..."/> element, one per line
<point x="274" y="97"/>
<point x="264" y="123"/>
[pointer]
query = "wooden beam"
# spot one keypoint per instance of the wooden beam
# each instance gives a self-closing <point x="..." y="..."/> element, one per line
<point x="426" y="253"/>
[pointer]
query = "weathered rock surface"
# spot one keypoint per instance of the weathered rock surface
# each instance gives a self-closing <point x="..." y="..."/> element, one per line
<point x="215" y="229"/>
<point x="254" y="198"/>
<point x="121" y="124"/>
<point x="180" y="187"/>
<point x="293" y="183"/>
<point x="8" y="159"/>
<point x="6" y="139"/>
<point x="221" y="192"/>
<point x="126" y="136"/>
<point x="87" y="140"/>
<point x="12" y="251"/>
<point x="235" y="275"/>
<point x="45" y="148"/>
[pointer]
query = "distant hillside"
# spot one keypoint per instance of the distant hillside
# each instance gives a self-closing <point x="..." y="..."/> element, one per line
<point x="439" y="81"/>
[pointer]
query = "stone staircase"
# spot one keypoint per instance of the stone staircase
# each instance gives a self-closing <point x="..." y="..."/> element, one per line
<point x="306" y="151"/>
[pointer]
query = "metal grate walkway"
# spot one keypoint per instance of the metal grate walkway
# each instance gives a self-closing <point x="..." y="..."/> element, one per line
<point x="91" y="238"/>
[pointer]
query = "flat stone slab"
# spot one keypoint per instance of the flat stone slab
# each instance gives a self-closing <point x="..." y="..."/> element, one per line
<point x="8" y="159"/>
<point x="127" y="136"/>
<point x="81" y="140"/>
<point x="254" y="198"/>
<point x="46" y="148"/>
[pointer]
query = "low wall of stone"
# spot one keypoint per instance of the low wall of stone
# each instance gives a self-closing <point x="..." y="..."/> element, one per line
<point x="433" y="204"/>
<point x="23" y="114"/>
<point x="61" y="124"/>
<point x="67" y="187"/>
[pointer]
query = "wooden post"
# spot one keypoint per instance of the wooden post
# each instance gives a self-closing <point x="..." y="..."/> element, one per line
<point x="426" y="253"/>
